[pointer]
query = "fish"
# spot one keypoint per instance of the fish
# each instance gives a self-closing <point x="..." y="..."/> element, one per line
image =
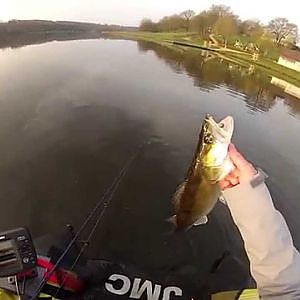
<point x="196" y="197"/>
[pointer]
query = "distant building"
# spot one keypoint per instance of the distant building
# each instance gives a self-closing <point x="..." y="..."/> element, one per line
<point x="290" y="59"/>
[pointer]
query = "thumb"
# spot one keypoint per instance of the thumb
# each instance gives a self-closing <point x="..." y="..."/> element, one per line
<point x="237" y="158"/>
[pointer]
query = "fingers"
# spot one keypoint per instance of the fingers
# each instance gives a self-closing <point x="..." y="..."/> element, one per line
<point x="244" y="170"/>
<point x="234" y="180"/>
<point x="237" y="158"/>
<point x="235" y="173"/>
<point x="225" y="184"/>
<point x="230" y="180"/>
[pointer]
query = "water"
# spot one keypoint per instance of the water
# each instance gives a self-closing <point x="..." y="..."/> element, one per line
<point x="72" y="113"/>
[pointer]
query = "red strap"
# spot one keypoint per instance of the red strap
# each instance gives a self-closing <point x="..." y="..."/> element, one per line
<point x="70" y="279"/>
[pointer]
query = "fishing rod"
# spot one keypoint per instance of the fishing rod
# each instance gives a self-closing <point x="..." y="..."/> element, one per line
<point x="87" y="241"/>
<point x="109" y="194"/>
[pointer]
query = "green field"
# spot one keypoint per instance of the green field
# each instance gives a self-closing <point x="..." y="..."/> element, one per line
<point x="166" y="38"/>
<point x="159" y="37"/>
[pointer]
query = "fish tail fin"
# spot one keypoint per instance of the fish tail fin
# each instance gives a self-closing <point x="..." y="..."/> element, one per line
<point x="175" y="229"/>
<point x="172" y="220"/>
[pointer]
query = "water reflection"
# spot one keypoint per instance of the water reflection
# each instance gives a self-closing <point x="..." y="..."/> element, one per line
<point x="31" y="38"/>
<point x="69" y="121"/>
<point x="274" y="134"/>
<point x="210" y="71"/>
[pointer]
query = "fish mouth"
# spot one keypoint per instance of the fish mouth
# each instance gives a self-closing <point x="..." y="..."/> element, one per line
<point x="222" y="129"/>
<point x="227" y="125"/>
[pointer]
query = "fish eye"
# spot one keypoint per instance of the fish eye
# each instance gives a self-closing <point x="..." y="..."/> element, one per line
<point x="208" y="139"/>
<point x="221" y="125"/>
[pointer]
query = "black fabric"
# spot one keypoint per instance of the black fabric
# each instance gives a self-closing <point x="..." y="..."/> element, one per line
<point x="219" y="279"/>
<point x="96" y="273"/>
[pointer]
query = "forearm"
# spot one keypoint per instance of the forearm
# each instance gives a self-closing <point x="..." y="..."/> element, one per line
<point x="274" y="261"/>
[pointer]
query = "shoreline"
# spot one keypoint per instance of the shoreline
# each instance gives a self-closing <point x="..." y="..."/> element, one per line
<point x="186" y="41"/>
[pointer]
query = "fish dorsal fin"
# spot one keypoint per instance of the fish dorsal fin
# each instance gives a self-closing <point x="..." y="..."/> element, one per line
<point x="202" y="220"/>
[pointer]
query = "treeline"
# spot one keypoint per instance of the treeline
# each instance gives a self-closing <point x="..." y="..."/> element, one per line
<point x="222" y="22"/>
<point x="29" y="26"/>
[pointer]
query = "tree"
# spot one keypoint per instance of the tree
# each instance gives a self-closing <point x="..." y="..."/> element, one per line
<point x="282" y="30"/>
<point x="200" y="24"/>
<point x="251" y="28"/>
<point x="226" y="26"/>
<point x="220" y="10"/>
<point x="172" y="23"/>
<point x="215" y="13"/>
<point x="267" y="47"/>
<point x="187" y="15"/>
<point x="148" y="25"/>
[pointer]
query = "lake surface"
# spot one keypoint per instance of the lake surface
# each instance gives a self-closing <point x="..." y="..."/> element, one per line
<point x="72" y="113"/>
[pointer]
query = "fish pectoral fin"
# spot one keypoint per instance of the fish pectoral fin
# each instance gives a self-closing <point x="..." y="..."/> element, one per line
<point x="177" y="196"/>
<point x="202" y="220"/>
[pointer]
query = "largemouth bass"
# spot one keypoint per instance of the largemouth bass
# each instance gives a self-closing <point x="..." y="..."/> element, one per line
<point x="197" y="196"/>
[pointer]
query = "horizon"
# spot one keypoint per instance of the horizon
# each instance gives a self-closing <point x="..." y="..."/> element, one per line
<point x="131" y="13"/>
<point x="72" y="21"/>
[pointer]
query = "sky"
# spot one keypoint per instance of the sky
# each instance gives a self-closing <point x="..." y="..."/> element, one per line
<point x="130" y="12"/>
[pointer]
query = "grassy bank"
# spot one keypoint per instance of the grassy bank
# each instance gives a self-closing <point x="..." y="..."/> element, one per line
<point x="269" y="66"/>
<point x="165" y="38"/>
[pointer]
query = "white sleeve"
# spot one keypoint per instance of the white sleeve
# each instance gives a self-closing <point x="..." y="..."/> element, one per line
<point x="274" y="261"/>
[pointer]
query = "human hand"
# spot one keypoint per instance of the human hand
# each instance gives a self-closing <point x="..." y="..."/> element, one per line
<point x="243" y="172"/>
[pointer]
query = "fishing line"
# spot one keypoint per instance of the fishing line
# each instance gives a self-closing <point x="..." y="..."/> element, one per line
<point x="86" y="242"/>
<point x="110" y="191"/>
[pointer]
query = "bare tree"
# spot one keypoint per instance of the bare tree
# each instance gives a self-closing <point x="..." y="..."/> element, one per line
<point x="282" y="29"/>
<point x="187" y="15"/>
